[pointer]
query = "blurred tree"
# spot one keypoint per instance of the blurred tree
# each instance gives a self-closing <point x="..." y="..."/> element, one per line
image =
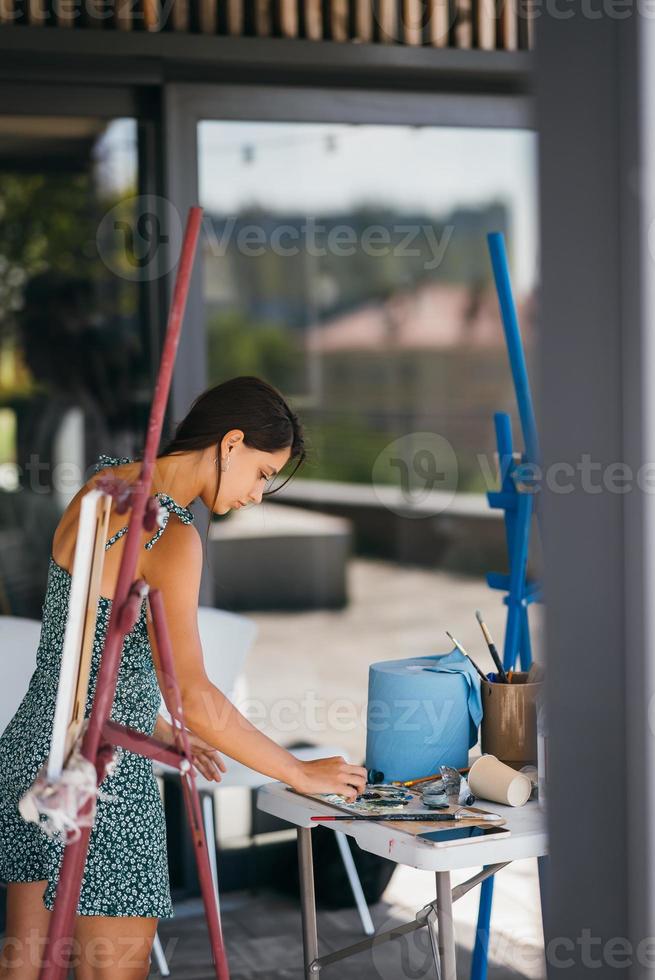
<point x="45" y="223"/>
<point x="237" y="345"/>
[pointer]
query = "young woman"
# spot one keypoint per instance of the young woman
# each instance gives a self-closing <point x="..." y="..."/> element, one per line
<point x="234" y="439"/>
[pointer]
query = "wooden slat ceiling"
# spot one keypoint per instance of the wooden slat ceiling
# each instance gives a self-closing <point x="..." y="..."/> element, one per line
<point x="481" y="24"/>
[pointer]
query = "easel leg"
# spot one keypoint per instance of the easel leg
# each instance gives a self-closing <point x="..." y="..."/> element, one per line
<point x="526" y="645"/>
<point x="518" y="557"/>
<point x="307" y="902"/>
<point x="62" y="922"/>
<point x="192" y="802"/>
<point x="201" y="843"/>
<point x="481" y="947"/>
<point x="446" y="937"/>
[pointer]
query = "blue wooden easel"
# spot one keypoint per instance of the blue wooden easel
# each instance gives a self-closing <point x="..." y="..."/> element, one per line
<point x="516" y="497"/>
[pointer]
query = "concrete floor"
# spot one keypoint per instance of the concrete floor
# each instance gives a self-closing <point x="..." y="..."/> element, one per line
<point x="307" y="678"/>
<point x="263" y="936"/>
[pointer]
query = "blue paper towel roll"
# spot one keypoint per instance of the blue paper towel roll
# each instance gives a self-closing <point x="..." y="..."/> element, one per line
<point x="423" y="712"/>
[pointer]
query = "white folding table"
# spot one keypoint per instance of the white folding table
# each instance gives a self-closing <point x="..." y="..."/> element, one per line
<point x="527" y="839"/>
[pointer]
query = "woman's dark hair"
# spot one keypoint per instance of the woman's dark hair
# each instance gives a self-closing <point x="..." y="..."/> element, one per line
<point x="247" y="403"/>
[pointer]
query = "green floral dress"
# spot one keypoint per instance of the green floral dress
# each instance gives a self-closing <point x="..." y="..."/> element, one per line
<point x="126" y="870"/>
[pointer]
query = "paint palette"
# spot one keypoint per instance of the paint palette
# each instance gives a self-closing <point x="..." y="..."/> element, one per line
<point x="414" y="804"/>
<point x="375" y="800"/>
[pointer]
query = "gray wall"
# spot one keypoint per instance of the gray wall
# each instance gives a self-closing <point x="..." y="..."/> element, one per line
<point x="594" y="376"/>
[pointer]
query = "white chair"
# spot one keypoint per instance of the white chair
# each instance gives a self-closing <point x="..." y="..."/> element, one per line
<point x="19" y="639"/>
<point x="226" y="639"/>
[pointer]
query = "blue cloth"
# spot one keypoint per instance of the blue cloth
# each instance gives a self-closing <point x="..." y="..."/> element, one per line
<point x="423" y="712"/>
<point x="456" y="662"/>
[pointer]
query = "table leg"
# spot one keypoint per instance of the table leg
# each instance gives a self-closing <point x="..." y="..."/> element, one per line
<point x="543" y="865"/>
<point x="446" y="936"/>
<point x="434" y="941"/>
<point x="307" y="902"/>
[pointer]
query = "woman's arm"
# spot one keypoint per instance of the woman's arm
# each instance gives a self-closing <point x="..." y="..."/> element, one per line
<point x="207" y="711"/>
<point x="206" y="758"/>
<point x="163" y="730"/>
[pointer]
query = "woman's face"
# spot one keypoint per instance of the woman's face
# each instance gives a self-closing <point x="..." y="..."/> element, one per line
<point x="249" y="473"/>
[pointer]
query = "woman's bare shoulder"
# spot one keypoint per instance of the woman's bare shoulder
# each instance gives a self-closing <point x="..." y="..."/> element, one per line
<point x="66" y="530"/>
<point x="176" y="557"/>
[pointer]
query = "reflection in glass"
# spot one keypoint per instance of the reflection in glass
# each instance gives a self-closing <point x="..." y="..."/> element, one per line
<point x="74" y="371"/>
<point x="348" y="265"/>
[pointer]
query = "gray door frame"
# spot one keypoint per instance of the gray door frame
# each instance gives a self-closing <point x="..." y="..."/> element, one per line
<point x="595" y="88"/>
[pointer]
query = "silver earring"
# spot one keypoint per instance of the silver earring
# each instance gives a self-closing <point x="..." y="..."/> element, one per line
<point x="224" y="464"/>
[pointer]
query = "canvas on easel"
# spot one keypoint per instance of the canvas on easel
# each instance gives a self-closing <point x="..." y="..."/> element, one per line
<point x="77" y="650"/>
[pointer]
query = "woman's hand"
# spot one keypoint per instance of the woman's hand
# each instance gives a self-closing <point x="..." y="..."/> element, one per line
<point x="206" y="759"/>
<point x="330" y="775"/>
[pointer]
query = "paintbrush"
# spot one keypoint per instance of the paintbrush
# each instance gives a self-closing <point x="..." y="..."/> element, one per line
<point x="417" y="817"/>
<point x="462" y="650"/>
<point x="426" y="779"/>
<point x="492" y="647"/>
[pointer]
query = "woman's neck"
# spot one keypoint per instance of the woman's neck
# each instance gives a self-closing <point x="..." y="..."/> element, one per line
<point x="178" y="476"/>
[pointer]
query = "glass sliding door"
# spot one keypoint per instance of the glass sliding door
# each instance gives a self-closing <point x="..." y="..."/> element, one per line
<point x="348" y="264"/>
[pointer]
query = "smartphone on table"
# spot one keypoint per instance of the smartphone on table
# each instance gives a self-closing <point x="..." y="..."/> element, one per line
<point x="461" y="835"/>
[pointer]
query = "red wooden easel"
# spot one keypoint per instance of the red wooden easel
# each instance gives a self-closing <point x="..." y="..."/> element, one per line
<point x="102" y="734"/>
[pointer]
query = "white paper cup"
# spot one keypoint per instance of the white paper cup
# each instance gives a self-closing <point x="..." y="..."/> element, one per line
<point x="491" y="779"/>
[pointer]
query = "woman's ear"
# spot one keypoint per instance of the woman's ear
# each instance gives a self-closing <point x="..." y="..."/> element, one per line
<point x="233" y="437"/>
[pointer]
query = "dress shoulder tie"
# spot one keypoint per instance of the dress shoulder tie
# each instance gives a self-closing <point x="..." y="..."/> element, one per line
<point x="168" y="505"/>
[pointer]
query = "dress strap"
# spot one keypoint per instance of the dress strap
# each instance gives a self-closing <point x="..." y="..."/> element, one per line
<point x="168" y="506"/>
<point x="104" y="461"/>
